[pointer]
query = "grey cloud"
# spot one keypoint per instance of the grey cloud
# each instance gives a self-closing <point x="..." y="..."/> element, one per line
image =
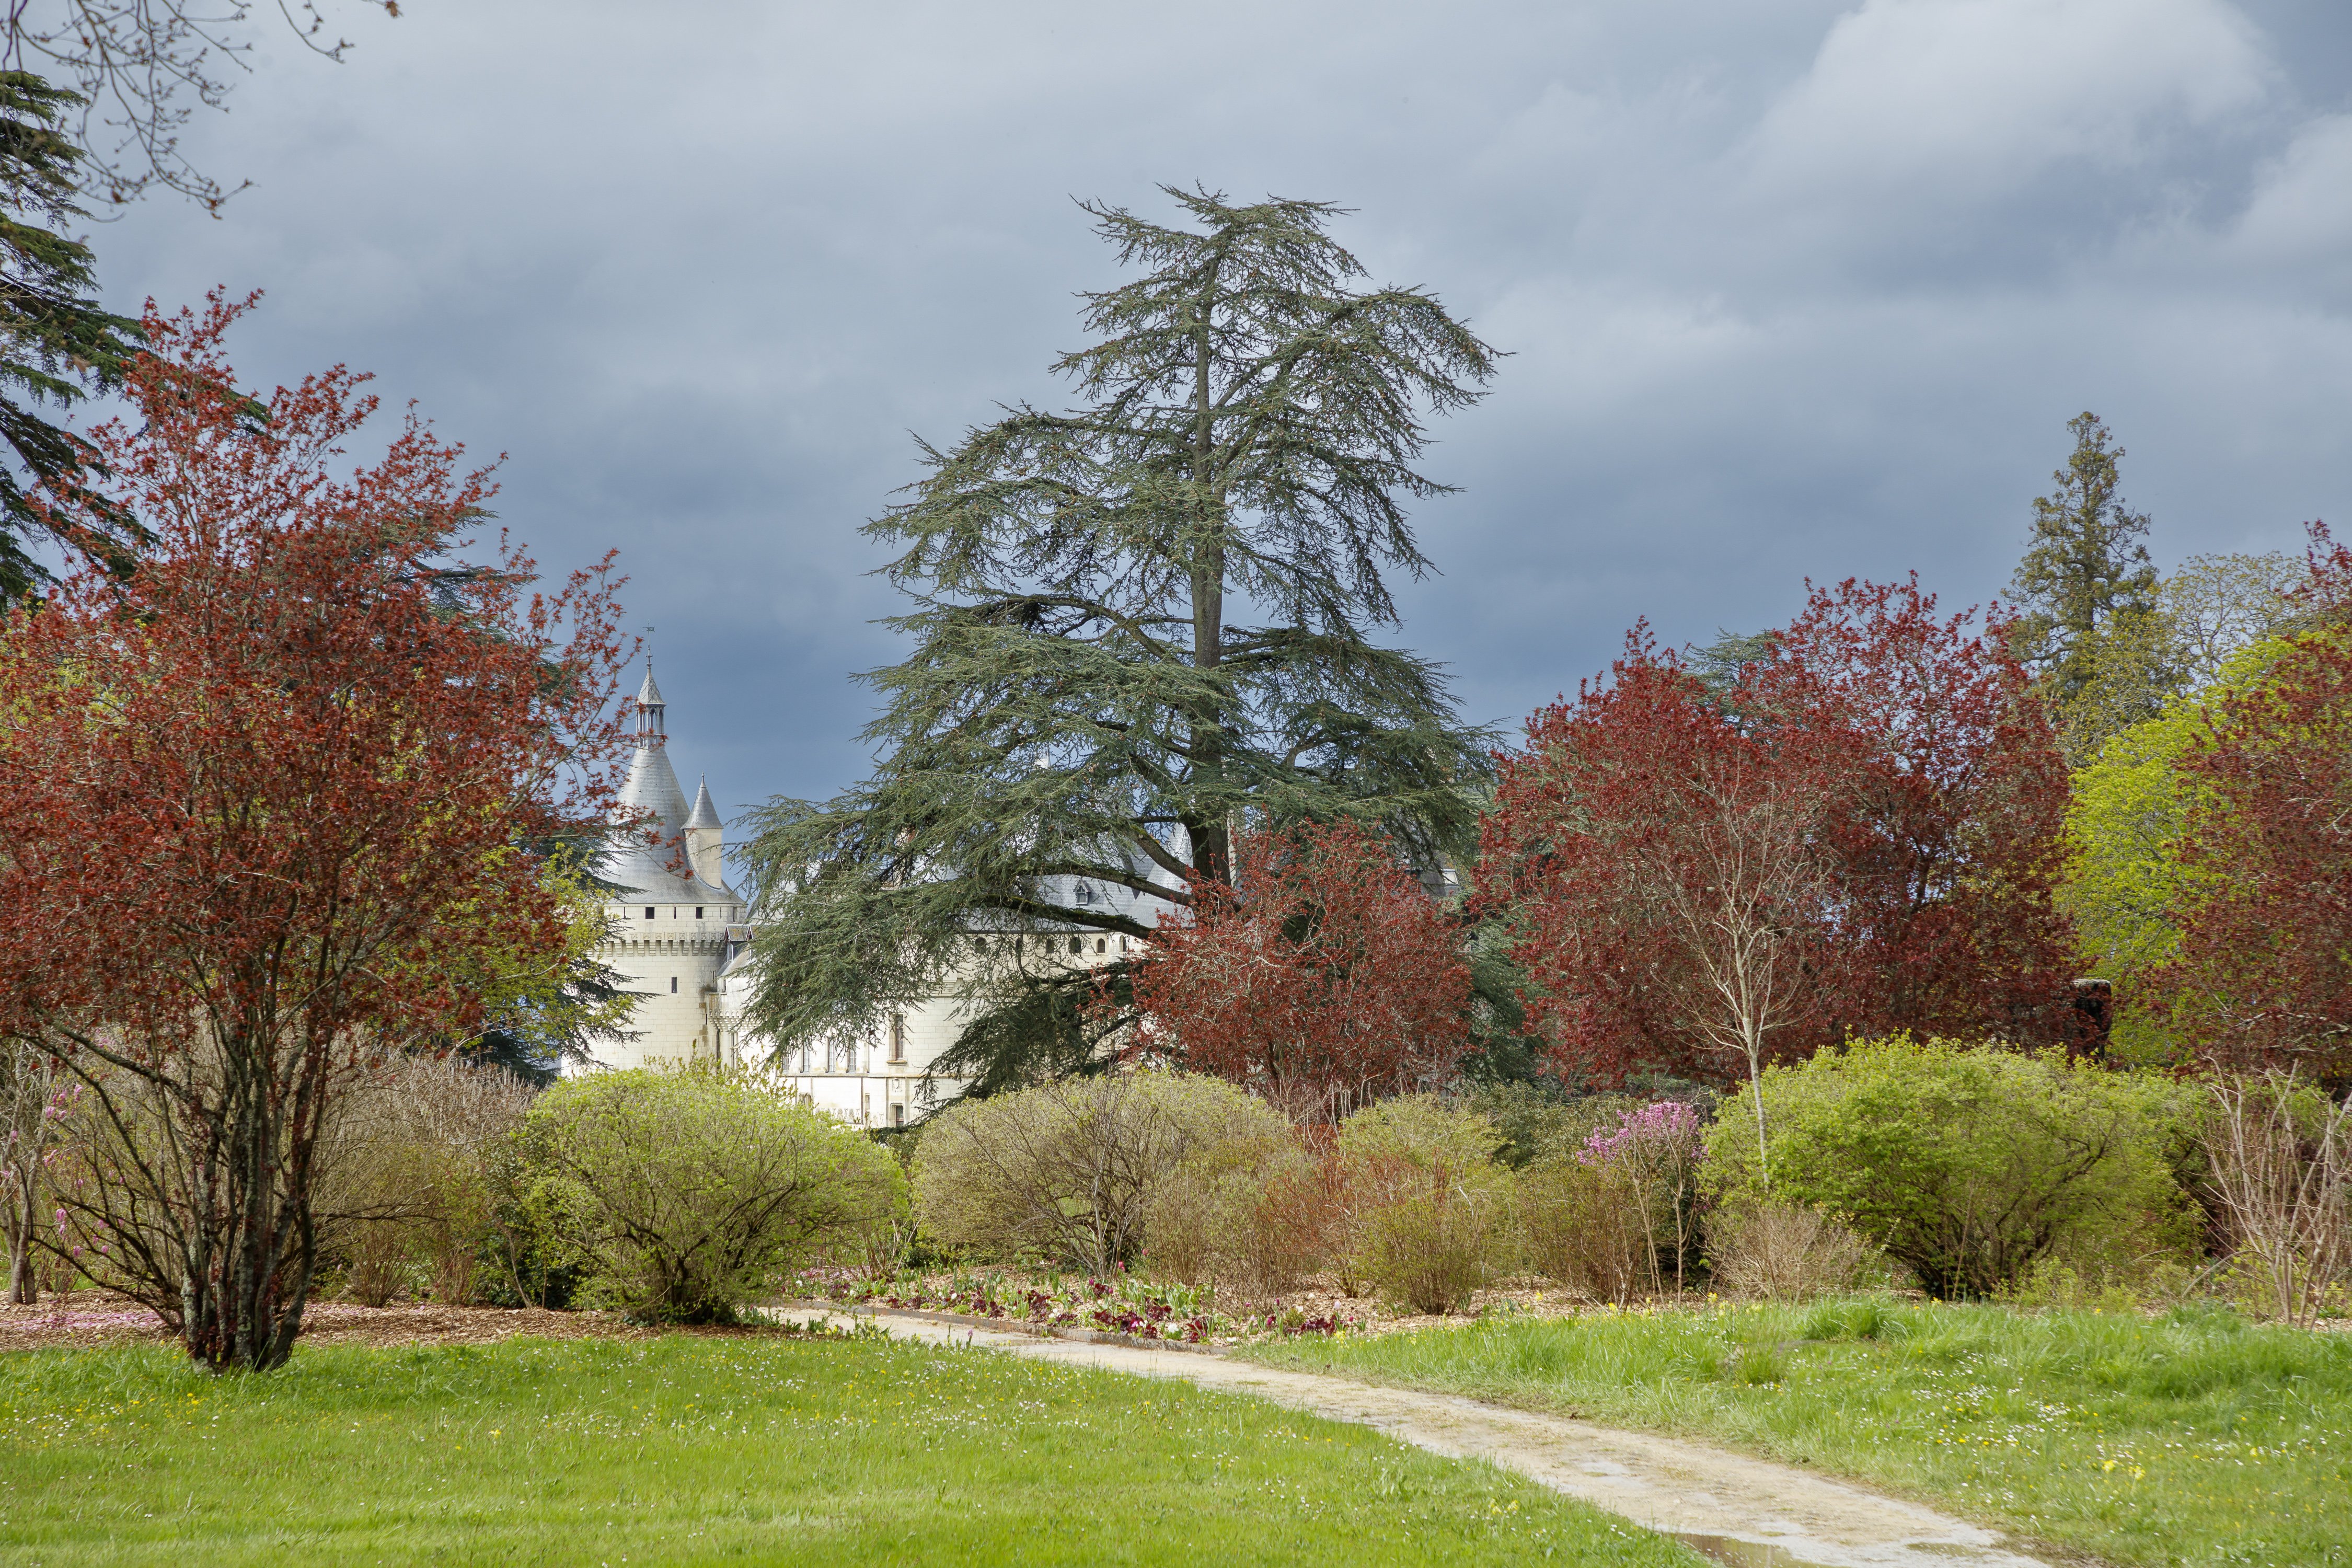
<point x="1802" y="288"/>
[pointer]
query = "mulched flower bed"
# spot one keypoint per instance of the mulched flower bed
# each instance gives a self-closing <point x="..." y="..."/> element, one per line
<point x="1145" y="1310"/>
<point x="1124" y="1305"/>
<point x="90" y="1318"/>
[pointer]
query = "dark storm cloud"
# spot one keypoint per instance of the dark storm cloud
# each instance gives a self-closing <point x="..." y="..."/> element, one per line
<point x="1794" y="288"/>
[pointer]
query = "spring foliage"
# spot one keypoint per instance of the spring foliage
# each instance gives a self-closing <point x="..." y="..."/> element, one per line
<point x="2212" y="869"/>
<point x="1858" y="830"/>
<point x="688" y="1195"/>
<point x="1969" y="1164"/>
<point x="263" y="800"/>
<point x="1327" y="977"/>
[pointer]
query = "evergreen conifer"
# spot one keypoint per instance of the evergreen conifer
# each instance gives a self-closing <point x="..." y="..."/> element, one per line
<point x="1136" y="625"/>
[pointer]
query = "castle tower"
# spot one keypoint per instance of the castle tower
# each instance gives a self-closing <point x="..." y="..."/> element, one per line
<point x="677" y="922"/>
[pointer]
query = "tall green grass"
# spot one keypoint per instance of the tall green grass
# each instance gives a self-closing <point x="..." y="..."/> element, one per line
<point x="693" y="1450"/>
<point x="2196" y="1438"/>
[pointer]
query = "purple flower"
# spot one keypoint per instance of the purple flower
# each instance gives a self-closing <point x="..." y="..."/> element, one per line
<point x="1665" y="1125"/>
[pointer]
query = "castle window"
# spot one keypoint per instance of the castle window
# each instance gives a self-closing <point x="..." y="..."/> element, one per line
<point x="1075" y="945"/>
<point x="897" y="1115"/>
<point x="1122" y="944"/>
<point x="697" y="911"/>
<point x="1101" y="944"/>
<point x="649" y="911"/>
<point x="1082" y="893"/>
<point x="673" y="984"/>
<point x="897" y="1036"/>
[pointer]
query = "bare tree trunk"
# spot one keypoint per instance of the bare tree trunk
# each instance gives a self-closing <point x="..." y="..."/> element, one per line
<point x="24" y="1214"/>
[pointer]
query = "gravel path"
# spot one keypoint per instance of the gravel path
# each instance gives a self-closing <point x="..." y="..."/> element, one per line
<point x="1750" y="1512"/>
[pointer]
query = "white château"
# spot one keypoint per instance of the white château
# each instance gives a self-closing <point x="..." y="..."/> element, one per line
<point x="680" y="941"/>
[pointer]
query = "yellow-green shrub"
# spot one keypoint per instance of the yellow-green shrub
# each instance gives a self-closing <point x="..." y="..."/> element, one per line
<point x="685" y="1196"/>
<point x="1967" y="1163"/>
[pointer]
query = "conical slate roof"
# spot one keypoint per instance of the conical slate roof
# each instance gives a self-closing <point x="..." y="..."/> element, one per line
<point x="652" y="804"/>
<point x="649" y="695"/>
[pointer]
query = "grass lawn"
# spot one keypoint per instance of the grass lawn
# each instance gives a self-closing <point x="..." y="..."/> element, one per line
<point x="2192" y="1439"/>
<point x="747" y="1450"/>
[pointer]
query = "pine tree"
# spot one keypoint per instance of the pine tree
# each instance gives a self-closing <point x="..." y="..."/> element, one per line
<point x="56" y="343"/>
<point x="2085" y="572"/>
<point x="1137" y="624"/>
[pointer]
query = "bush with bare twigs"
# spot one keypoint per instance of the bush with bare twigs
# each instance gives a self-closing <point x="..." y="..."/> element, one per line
<point x="1222" y="1214"/>
<point x="1584" y="1227"/>
<point x="1093" y="1173"/>
<point x="2280" y="1152"/>
<point x="1786" y="1252"/>
<point x="1430" y="1216"/>
<point x="410" y="1179"/>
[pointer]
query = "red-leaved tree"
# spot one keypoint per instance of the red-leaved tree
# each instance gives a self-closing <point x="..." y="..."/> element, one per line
<point x="2261" y="978"/>
<point x="1947" y="818"/>
<point x="1859" y="835"/>
<point x="268" y="804"/>
<point x="1328" y="976"/>
<point x="1664" y="877"/>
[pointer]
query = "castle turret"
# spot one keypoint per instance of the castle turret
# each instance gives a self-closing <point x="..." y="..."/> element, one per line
<point x="667" y="927"/>
<point x="706" y="840"/>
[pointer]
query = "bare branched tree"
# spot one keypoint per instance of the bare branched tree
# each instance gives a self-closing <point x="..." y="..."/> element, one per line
<point x="1740" y="888"/>
<point x="142" y="68"/>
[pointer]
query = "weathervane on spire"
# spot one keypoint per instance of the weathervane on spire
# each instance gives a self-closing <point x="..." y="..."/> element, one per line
<point x="649" y="698"/>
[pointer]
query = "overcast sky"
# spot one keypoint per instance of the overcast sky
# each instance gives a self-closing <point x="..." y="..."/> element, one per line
<point x="1793" y="287"/>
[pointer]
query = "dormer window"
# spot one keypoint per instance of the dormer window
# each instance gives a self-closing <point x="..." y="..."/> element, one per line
<point x="1082" y="893"/>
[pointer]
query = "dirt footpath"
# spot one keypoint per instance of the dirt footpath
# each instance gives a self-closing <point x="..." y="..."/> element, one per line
<point x="1735" y="1510"/>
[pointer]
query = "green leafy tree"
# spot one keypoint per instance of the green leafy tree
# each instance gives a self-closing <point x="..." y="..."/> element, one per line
<point x="1137" y="623"/>
<point x="2128" y="886"/>
<point x="56" y="345"/>
<point x="2085" y="575"/>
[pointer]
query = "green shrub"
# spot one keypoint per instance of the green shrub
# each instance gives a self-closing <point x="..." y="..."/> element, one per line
<point x="685" y="1196"/>
<point x="1074" y="1172"/>
<point x="1968" y="1165"/>
<point x="1430" y="1213"/>
<point x="1533" y="1120"/>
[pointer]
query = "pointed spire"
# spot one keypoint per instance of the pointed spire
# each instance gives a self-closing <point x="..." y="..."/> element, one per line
<point x="650" y="710"/>
<point x="704" y="814"/>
